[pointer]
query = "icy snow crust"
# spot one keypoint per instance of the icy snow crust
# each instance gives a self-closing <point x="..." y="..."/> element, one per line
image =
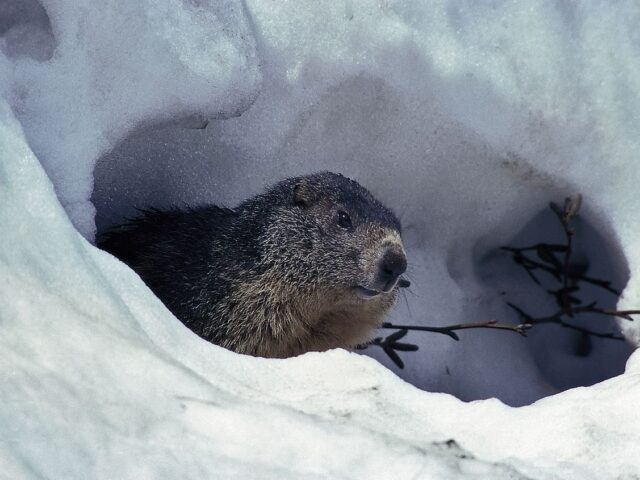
<point x="466" y="117"/>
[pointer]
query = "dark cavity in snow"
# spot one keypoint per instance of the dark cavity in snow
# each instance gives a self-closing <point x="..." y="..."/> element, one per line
<point x="458" y="198"/>
<point x="25" y="30"/>
<point x="566" y="358"/>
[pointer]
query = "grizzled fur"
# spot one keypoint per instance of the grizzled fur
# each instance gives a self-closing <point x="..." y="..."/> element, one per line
<point x="277" y="275"/>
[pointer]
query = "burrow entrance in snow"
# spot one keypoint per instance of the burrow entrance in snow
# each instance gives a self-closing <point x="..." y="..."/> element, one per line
<point x="458" y="198"/>
<point x="566" y="357"/>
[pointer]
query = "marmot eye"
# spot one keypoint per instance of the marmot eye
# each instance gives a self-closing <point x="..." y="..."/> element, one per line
<point x="344" y="220"/>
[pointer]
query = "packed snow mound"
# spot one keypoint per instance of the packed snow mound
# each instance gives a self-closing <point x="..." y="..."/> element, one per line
<point x="466" y="118"/>
<point x="100" y="381"/>
<point x="99" y="69"/>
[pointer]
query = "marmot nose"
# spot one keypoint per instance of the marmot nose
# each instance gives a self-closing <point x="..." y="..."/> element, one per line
<point x="392" y="265"/>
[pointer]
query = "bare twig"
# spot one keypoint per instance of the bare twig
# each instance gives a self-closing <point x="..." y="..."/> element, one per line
<point x="557" y="318"/>
<point x="568" y="274"/>
<point x="450" y="329"/>
<point x="554" y="259"/>
<point x="529" y="264"/>
<point x="391" y="346"/>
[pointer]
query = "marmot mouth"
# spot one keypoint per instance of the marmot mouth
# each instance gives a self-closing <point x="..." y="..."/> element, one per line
<point x="366" y="293"/>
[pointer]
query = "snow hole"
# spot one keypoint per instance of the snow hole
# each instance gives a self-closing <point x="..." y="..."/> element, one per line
<point x="566" y="358"/>
<point x="25" y="30"/>
<point x="459" y="200"/>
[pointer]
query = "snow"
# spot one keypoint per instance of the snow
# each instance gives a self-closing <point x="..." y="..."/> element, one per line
<point x="466" y="118"/>
<point x="100" y="381"/>
<point x="99" y="83"/>
<point x="455" y="120"/>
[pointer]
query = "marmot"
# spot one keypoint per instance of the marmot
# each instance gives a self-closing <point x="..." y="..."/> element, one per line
<point x="311" y="264"/>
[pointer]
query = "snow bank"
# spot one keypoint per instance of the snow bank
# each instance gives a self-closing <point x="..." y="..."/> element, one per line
<point x="100" y="381"/>
<point x="108" y="68"/>
<point x="466" y="118"/>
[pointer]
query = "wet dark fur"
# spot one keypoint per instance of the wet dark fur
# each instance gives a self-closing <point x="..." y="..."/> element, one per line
<point x="272" y="277"/>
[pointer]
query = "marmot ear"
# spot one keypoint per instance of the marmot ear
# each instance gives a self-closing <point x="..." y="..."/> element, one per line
<point x="305" y="194"/>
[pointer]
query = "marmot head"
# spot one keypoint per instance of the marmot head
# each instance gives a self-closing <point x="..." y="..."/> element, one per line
<point x="327" y="233"/>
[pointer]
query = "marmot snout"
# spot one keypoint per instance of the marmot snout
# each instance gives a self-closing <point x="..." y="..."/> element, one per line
<point x="311" y="264"/>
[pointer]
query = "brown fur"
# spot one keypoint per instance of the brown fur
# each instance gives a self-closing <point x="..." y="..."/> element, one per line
<point x="277" y="276"/>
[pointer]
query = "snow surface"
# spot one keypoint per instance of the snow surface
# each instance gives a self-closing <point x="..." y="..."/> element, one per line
<point x="114" y="67"/>
<point x="463" y="125"/>
<point x="466" y="117"/>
